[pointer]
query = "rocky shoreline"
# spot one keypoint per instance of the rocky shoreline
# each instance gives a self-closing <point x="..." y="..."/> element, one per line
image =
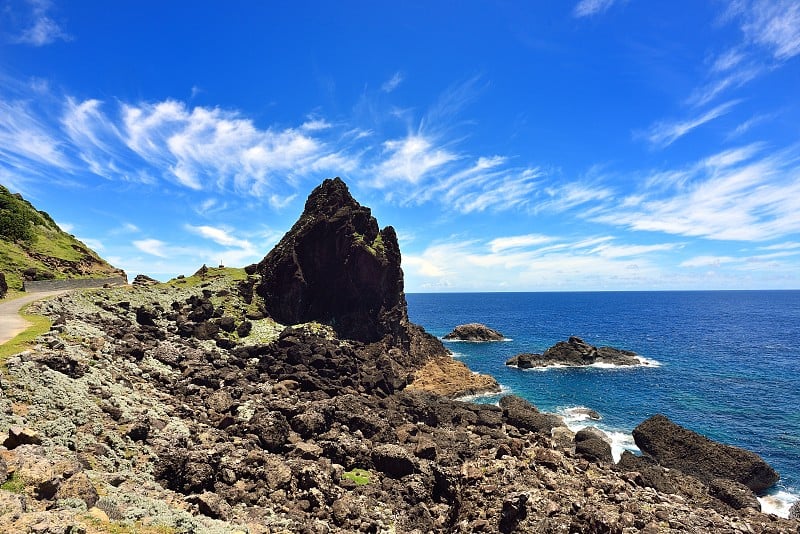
<point x="187" y="407"/>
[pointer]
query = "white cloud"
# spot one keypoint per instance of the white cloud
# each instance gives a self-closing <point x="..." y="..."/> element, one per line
<point x="219" y="236"/>
<point x="544" y="263"/>
<point x="26" y="139"/>
<point x="153" y="247"/>
<point x="392" y="83"/>
<point x="315" y="125"/>
<point x="727" y="60"/>
<point x="708" y="261"/>
<point x="410" y="160"/>
<point x="732" y="195"/>
<point x="774" y="24"/>
<point x="94" y="244"/>
<point x="586" y="8"/>
<point x="500" y="244"/>
<point x="43" y="31"/>
<point x="664" y="133"/>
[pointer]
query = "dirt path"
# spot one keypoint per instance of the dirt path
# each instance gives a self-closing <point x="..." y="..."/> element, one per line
<point x="11" y="323"/>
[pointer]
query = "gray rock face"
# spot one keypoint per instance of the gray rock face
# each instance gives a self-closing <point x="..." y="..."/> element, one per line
<point x="474" y="332"/>
<point x="575" y="352"/>
<point x="676" y="447"/>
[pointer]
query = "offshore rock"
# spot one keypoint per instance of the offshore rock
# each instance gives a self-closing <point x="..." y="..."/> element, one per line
<point x="474" y="332"/>
<point x="575" y="352"/>
<point x="676" y="447"/>
<point x="336" y="267"/>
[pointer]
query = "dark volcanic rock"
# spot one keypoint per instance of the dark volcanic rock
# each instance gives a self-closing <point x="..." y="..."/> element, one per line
<point x="3" y="285"/>
<point x="525" y="416"/>
<point x="676" y="447"/>
<point x="575" y="352"/>
<point x="733" y="494"/>
<point x="336" y="267"/>
<point x="474" y="332"/>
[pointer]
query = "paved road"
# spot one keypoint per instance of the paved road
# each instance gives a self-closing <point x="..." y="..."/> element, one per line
<point x="11" y="323"/>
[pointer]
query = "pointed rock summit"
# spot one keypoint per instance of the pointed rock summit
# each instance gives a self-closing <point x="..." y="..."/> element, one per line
<point x="335" y="266"/>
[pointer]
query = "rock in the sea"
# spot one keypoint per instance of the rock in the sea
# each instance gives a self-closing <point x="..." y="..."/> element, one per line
<point x="474" y="332"/>
<point x="336" y="267"/>
<point x="676" y="447"/>
<point x="575" y="352"/>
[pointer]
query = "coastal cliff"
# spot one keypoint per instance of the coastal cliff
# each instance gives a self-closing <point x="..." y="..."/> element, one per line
<point x="211" y="404"/>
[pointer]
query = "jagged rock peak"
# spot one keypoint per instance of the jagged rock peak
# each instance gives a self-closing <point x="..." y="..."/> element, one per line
<point x="336" y="267"/>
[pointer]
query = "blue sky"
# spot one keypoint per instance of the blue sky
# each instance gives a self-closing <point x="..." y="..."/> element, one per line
<point x="514" y="146"/>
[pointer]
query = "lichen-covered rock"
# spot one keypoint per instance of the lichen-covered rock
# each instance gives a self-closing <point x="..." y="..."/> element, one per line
<point x="676" y="447"/>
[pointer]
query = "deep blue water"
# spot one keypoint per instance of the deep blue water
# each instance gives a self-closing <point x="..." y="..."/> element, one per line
<point x="730" y="360"/>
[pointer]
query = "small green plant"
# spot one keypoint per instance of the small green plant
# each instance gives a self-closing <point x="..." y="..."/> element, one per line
<point x="15" y="484"/>
<point x="359" y="476"/>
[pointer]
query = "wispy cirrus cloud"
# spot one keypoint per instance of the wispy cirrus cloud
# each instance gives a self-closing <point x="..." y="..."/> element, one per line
<point x="393" y="83"/>
<point x="587" y="8"/>
<point x="737" y="195"/>
<point x="41" y="29"/>
<point x="664" y="133"/>
<point x="154" y="247"/>
<point x="27" y="141"/>
<point x="220" y="236"/>
<point x="535" y="261"/>
<point x="772" y="24"/>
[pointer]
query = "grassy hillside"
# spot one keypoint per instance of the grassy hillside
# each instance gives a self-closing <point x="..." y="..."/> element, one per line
<point x="33" y="247"/>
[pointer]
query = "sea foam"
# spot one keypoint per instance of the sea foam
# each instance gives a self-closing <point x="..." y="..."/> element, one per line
<point x="620" y="441"/>
<point x="778" y="501"/>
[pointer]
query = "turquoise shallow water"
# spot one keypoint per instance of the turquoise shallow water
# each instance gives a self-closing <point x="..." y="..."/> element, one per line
<point x="729" y="361"/>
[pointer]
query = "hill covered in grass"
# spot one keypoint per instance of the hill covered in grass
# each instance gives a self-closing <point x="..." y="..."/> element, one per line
<point x="33" y="247"/>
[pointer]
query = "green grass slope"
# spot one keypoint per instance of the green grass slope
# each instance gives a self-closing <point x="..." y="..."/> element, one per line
<point x="33" y="247"/>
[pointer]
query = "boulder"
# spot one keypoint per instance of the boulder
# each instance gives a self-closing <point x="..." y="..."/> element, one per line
<point x="594" y="450"/>
<point x="144" y="280"/>
<point x="575" y="352"/>
<point x="676" y="447"/>
<point x="3" y="285"/>
<point x="525" y="416"/>
<point x="18" y="435"/>
<point x="393" y="460"/>
<point x="474" y="332"/>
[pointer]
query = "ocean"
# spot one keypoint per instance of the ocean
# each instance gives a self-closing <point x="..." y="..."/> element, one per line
<point x="725" y="364"/>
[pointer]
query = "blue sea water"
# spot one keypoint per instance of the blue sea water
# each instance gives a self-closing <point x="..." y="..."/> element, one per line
<point x="728" y="362"/>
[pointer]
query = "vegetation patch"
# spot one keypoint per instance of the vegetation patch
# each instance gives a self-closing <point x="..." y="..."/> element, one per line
<point x="15" y="484"/>
<point x="39" y="325"/>
<point x="359" y="476"/>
